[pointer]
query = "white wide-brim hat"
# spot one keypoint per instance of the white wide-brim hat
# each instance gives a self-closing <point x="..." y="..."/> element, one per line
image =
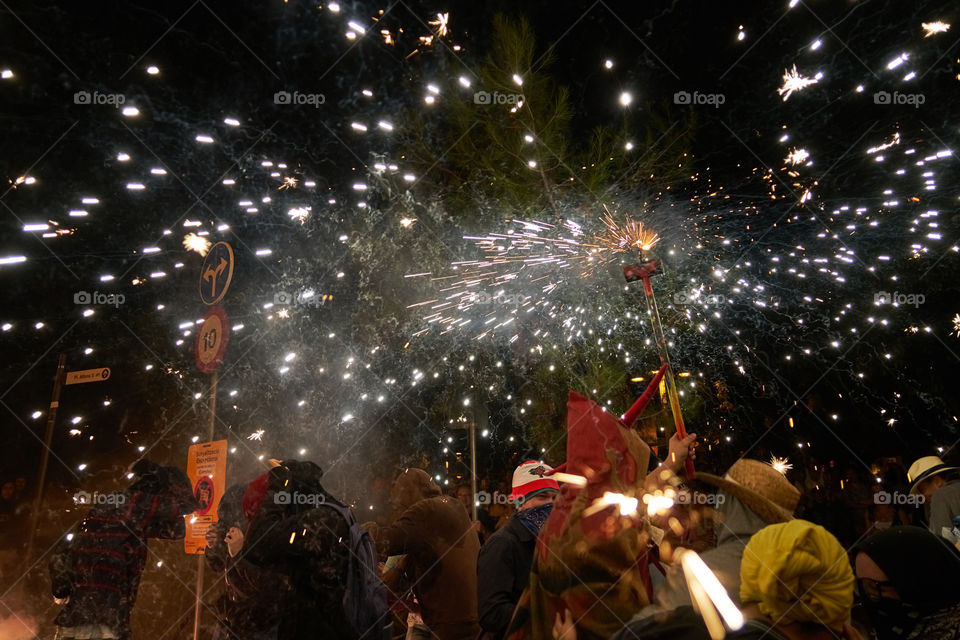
<point x="924" y="468"/>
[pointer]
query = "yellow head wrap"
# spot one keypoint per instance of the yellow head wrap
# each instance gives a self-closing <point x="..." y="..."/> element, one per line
<point x="797" y="572"/>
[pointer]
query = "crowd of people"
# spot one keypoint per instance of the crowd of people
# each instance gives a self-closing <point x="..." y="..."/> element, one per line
<point x="589" y="550"/>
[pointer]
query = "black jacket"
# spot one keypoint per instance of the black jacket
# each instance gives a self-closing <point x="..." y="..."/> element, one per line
<point x="308" y="543"/>
<point x="503" y="572"/>
<point x="255" y="596"/>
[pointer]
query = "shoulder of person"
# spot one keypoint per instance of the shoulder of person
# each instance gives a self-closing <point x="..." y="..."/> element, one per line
<point x="503" y="537"/>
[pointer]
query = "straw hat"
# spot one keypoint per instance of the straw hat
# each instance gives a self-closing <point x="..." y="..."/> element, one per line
<point x="925" y="467"/>
<point x="766" y="491"/>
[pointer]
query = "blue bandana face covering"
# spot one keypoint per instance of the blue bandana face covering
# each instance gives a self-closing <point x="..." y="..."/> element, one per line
<point x="534" y="517"/>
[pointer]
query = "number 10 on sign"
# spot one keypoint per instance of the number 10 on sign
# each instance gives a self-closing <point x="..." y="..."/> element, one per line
<point x="212" y="340"/>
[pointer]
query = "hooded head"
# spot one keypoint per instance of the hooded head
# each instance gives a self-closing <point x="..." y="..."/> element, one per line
<point x="230" y="508"/>
<point x="797" y="571"/>
<point x="412" y="486"/>
<point x="150" y="477"/>
<point x="920" y="566"/>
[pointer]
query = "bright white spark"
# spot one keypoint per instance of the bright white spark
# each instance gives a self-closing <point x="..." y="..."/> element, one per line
<point x="780" y="464"/>
<point x="793" y="81"/>
<point x="256" y="435"/>
<point x="441" y="23"/>
<point x="932" y="28"/>
<point x="300" y="214"/>
<point x="797" y="156"/>
<point x="193" y="242"/>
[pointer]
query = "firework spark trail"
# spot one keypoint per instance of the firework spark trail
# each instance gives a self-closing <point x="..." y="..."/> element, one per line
<point x="534" y="252"/>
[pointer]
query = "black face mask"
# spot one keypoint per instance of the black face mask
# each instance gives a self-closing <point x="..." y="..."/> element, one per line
<point x="892" y="619"/>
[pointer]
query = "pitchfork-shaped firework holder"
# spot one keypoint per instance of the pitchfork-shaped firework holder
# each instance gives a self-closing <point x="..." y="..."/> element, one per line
<point x="644" y="272"/>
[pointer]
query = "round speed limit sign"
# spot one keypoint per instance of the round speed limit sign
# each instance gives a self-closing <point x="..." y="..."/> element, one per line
<point x="212" y="340"/>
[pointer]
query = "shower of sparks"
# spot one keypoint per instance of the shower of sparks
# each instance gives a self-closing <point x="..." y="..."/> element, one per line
<point x="406" y="223"/>
<point x="933" y="28"/>
<point x="956" y="325"/>
<point x="529" y="252"/>
<point x="781" y="464"/>
<point x="793" y="81"/>
<point x="441" y="23"/>
<point x="256" y="435"/>
<point x="631" y="235"/>
<point x="288" y="182"/>
<point x="193" y="242"/>
<point x="797" y="156"/>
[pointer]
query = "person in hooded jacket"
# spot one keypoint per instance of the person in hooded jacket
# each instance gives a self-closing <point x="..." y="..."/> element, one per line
<point x="294" y="533"/>
<point x="503" y="569"/>
<point x="752" y="495"/>
<point x="441" y="546"/>
<point x="908" y="583"/>
<point x="252" y="606"/>
<point x="96" y="568"/>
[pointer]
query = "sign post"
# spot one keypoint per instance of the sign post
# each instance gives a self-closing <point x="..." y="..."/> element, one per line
<point x="45" y="454"/>
<point x="207" y="462"/>
<point x="216" y="274"/>
<point x="88" y="375"/>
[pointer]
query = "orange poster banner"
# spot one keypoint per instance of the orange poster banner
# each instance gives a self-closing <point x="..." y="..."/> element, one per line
<point x="207" y="468"/>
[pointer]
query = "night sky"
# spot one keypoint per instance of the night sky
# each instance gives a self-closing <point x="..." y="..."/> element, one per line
<point x="796" y="355"/>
